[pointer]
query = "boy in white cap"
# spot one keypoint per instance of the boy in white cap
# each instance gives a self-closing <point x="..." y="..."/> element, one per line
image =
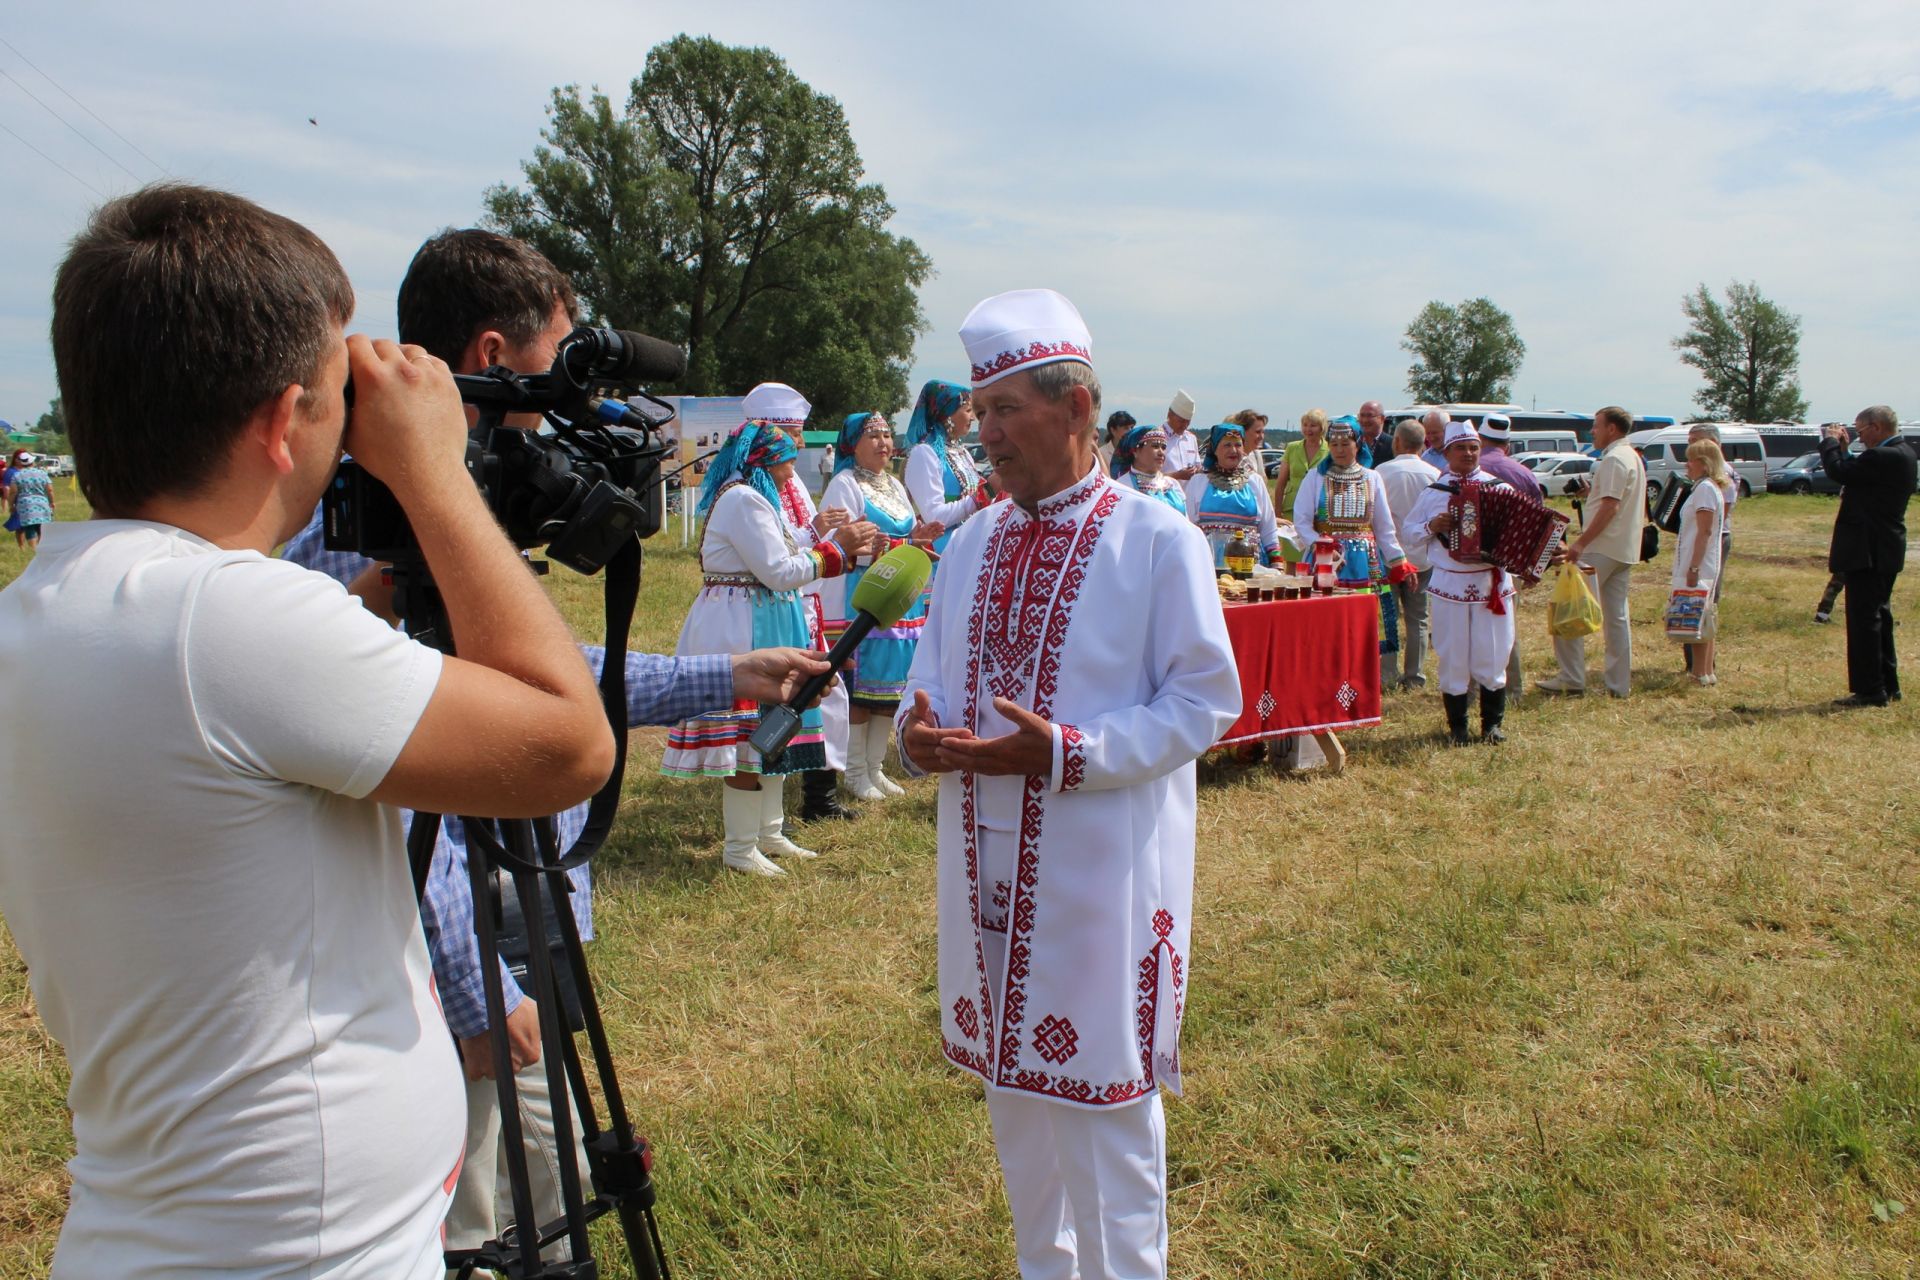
<point x="1468" y="600"/>
<point x="1183" y="446"/>
<point x="1064" y="721"/>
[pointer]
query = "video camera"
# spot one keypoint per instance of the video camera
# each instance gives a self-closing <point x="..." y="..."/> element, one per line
<point x="581" y="488"/>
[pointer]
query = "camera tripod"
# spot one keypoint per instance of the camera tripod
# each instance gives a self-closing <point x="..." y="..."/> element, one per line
<point x="619" y="1161"/>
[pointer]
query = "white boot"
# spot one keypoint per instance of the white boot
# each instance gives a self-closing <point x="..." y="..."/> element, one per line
<point x="740" y="810"/>
<point x="879" y="736"/>
<point x="859" y="780"/>
<point x="773" y="821"/>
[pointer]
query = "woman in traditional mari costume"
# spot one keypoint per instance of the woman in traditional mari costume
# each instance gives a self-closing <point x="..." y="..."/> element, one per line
<point x="1224" y="499"/>
<point x="862" y="485"/>
<point x="779" y="405"/>
<point x="1345" y="502"/>
<point x="1137" y="460"/>
<point x="942" y="481"/>
<point x="754" y="567"/>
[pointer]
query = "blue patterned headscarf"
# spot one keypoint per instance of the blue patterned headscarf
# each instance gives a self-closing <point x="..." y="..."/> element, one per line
<point x="936" y="404"/>
<point x="1129" y="445"/>
<point x="850" y="432"/>
<point x="746" y="456"/>
<point x="1214" y="439"/>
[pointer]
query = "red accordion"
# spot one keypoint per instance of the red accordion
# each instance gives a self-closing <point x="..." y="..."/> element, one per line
<point x="1501" y="526"/>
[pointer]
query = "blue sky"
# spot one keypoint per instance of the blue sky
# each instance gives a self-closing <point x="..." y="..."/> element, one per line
<point x="1249" y="201"/>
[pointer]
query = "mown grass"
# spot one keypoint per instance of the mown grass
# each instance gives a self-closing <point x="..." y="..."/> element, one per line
<point x="1636" y="995"/>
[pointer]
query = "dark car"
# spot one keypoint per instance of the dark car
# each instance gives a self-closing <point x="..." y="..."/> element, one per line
<point x="1270" y="460"/>
<point x="1802" y="475"/>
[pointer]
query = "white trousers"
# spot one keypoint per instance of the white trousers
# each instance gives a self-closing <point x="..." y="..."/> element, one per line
<point x="1471" y="644"/>
<point x="483" y="1198"/>
<point x="1087" y="1187"/>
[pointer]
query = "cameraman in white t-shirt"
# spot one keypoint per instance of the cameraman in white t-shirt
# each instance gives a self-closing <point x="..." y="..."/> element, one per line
<point x="206" y="872"/>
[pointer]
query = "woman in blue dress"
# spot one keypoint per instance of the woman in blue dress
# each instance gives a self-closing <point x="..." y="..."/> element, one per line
<point x="1225" y="498"/>
<point x="864" y="488"/>
<point x="1137" y="459"/>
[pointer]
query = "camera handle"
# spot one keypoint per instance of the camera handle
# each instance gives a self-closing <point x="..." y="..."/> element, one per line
<point x="619" y="1160"/>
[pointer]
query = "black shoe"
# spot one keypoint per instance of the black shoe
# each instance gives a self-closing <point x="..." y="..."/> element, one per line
<point x="1493" y="709"/>
<point x="1456" y="705"/>
<point x="1859" y="700"/>
<point x="820" y="797"/>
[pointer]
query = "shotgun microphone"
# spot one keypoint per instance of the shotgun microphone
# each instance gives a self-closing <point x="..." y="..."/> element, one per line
<point x="886" y="591"/>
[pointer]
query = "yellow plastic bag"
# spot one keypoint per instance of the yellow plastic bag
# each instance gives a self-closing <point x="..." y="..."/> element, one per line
<point x="1572" y="609"/>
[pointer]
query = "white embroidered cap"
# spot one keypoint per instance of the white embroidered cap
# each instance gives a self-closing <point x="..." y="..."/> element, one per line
<point x="1496" y="426"/>
<point x="1182" y="406"/>
<point x="1458" y="431"/>
<point x="775" y="402"/>
<point x="1023" y="330"/>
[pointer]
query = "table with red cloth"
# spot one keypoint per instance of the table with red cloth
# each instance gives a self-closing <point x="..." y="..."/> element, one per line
<point x="1308" y="666"/>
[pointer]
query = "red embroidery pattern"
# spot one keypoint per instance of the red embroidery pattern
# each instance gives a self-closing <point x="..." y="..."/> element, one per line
<point x="1073" y="750"/>
<point x="1147" y="1009"/>
<point x="966" y="1017"/>
<point x="1055" y="1039"/>
<point x="1002" y="894"/>
<point x="1008" y="360"/>
<point x="795" y="507"/>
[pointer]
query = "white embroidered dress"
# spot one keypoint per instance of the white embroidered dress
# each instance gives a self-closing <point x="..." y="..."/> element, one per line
<point x="1095" y="897"/>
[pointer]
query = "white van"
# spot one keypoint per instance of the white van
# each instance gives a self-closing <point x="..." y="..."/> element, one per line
<point x="1665" y="452"/>
<point x="1533" y="441"/>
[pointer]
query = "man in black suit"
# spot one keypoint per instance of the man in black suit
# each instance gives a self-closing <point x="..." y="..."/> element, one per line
<point x="1870" y="546"/>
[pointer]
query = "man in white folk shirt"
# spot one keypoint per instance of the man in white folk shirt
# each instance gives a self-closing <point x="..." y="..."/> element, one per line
<point x="1407" y="475"/>
<point x="1183" y="446"/>
<point x="1064" y="726"/>
<point x="1470" y="601"/>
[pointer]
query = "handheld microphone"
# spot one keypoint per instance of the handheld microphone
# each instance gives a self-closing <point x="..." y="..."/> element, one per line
<point x="886" y="592"/>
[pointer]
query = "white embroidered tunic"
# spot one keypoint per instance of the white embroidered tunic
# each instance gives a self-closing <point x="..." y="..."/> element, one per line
<point x="1045" y="610"/>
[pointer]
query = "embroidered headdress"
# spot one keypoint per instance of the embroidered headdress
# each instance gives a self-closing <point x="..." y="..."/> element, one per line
<point x="1129" y="445"/>
<point x="849" y="439"/>
<point x="1023" y="330"/>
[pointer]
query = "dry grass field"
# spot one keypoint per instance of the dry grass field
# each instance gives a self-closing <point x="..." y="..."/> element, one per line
<point x="1637" y="994"/>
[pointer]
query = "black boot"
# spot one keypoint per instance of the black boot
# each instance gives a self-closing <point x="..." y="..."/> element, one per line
<point x="1456" y="704"/>
<point x="820" y="796"/>
<point x="1493" y="709"/>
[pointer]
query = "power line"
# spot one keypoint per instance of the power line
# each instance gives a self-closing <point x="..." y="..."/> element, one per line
<point x="83" y="106"/>
<point x="55" y="163"/>
<point x="63" y="120"/>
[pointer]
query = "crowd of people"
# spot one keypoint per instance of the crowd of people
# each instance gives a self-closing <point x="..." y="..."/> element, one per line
<point x="284" y="1055"/>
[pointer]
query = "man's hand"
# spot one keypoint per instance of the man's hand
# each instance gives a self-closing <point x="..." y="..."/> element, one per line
<point x="922" y="737"/>
<point x="407" y="427"/>
<point x="523" y="1043"/>
<point x="827" y="519"/>
<point x="1568" y="553"/>
<point x="1838" y="431"/>
<point x="1026" y="752"/>
<point x="1440" y="526"/>
<point x="774" y="675"/>
<point x="1185" y="474"/>
<point x="926" y="532"/>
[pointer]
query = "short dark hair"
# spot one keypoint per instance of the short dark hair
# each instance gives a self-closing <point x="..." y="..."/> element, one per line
<point x="1616" y="417"/>
<point x="462" y="283"/>
<point x="1119" y="422"/>
<point x="177" y="313"/>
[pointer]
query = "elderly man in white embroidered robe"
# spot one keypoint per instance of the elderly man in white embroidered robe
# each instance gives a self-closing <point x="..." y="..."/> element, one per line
<point x="1064" y="719"/>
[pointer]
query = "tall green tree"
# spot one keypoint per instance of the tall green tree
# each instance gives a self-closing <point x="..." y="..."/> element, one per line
<point x="50" y="433"/>
<point x="1748" y="351"/>
<point x="1462" y="355"/>
<point x="724" y="207"/>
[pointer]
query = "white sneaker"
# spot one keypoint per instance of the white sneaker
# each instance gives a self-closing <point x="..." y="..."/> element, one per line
<point x="879" y="736"/>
